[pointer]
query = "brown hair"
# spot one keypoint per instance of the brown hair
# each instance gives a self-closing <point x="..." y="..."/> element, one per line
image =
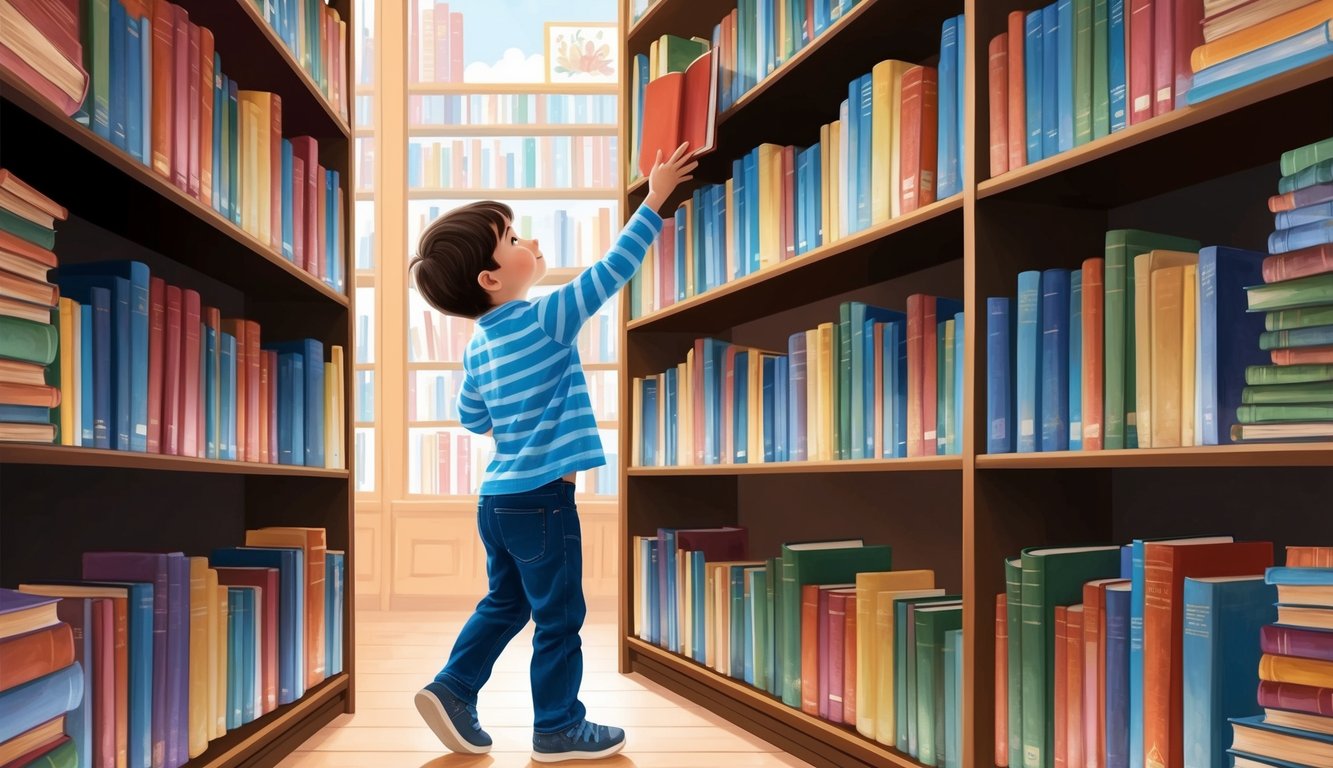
<point x="453" y="251"/>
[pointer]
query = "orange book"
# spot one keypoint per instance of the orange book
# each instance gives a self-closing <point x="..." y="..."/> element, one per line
<point x="810" y="649"/>
<point x="206" y="86"/>
<point x="1061" y="685"/>
<point x="35" y="654"/>
<point x="1074" y="734"/>
<point x="1166" y="566"/>
<point x="1262" y="34"/>
<point x="1093" y="328"/>
<point x="1310" y="557"/>
<point x="164" y="35"/>
<point x="1002" y="681"/>
<point x="312" y="542"/>
<point x="37" y="395"/>
<point x="680" y="107"/>
<point x="849" y="664"/>
<point x="998" y="103"/>
<point x="237" y="328"/>
<point x="1297" y="671"/>
<point x="1303" y="356"/>
<point x="1018" y="148"/>
<point x="920" y="134"/>
<point x="1168" y="305"/>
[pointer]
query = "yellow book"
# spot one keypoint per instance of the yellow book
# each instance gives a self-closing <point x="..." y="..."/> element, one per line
<point x="812" y="437"/>
<point x="636" y="424"/>
<point x="248" y="166"/>
<point x="754" y="400"/>
<point x="1294" y="670"/>
<point x="1144" y="265"/>
<point x="648" y="283"/>
<point x="833" y="224"/>
<point x="1167" y="295"/>
<point x="198" y="675"/>
<point x="770" y="203"/>
<point x="219" y="708"/>
<point x="330" y="416"/>
<point x="210" y="693"/>
<point x="1188" y="353"/>
<point x="256" y="189"/>
<point x="825" y="231"/>
<point x="886" y="89"/>
<point x="334" y="454"/>
<point x="868" y="585"/>
<point x="824" y="405"/>
<point x="69" y="425"/>
<point x="312" y="543"/>
<point x="686" y="209"/>
<point x="653" y="56"/>
<point x="687" y="413"/>
<point x="885" y="712"/>
<point x="730" y="250"/>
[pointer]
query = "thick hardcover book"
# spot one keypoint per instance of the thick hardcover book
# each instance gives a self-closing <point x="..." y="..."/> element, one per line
<point x="1055" y="331"/>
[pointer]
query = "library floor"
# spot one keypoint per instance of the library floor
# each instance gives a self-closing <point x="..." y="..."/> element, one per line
<point x="398" y="650"/>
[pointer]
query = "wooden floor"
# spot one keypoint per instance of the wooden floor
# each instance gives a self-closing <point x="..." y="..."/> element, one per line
<point x="397" y="652"/>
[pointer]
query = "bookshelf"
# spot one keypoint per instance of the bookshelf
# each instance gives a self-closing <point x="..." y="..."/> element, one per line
<point x="1202" y="172"/>
<point x="59" y="501"/>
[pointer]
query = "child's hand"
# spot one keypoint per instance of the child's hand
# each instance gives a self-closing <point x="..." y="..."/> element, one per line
<point x="665" y="176"/>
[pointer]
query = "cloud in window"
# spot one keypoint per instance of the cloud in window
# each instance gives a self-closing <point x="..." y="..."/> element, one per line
<point x="513" y="67"/>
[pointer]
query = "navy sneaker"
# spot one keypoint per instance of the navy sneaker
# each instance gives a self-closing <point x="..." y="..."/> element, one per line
<point x="453" y="720"/>
<point x="585" y="741"/>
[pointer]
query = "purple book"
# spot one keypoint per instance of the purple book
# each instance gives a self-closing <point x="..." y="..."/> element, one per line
<point x="13" y="603"/>
<point x="151" y="568"/>
<point x="178" y="659"/>
<point x="1281" y="640"/>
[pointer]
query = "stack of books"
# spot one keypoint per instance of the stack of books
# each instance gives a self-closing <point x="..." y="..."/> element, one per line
<point x="31" y="370"/>
<point x="316" y="36"/>
<point x="1245" y="41"/>
<point x="1292" y="399"/>
<point x="1296" y="670"/>
<point x="175" y="651"/>
<point x="39" y="43"/>
<point x="44" y="708"/>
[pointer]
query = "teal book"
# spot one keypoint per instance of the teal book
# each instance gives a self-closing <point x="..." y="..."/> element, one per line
<point x="772" y="583"/>
<point x="953" y="698"/>
<point x="932" y="622"/>
<point x="235" y="652"/>
<point x="905" y="668"/>
<point x="1013" y="591"/>
<point x="1101" y="83"/>
<point x="756" y="604"/>
<point x="1083" y="53"/>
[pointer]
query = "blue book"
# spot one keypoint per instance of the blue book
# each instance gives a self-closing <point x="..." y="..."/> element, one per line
<point x="999" y="372"/>
<point x="131" y="349"/>
<point x="649" y="420"/>
<point x="740" y="421"/>
<point x="959" y="339"/>
<point x="948" y="173"/>
<point x="864" y="151"/>
<point x="816" y="196"/>
<point x="213" y="439"/>
<point x="1033" y="60"/>
<point x="894" y="374"/>
<point x="769" y="370"/>
<point x="783" y="447"/>
<point x="1064" y="65"/>
<point x="1116" y="69"/>
<point x="133" y="57"/>
<point x="1306" y="215"/>
<point x="235" y="635"/>
<point x="221" y="143"/>
<point x="118" y="338"/>
<point x="1303" y="236"/>
<point x="248" y="653"/>
<point x="335" y="570"/>
<point x="291" y="409"/>
<point x="1225" y="272"/>
<point x="227" y="397"/>
<point x="802" y="208"/>
<point x="27" y="706"/>
<point x="312" y="352"/>
<point x="119" y="74"/>
<point x="1076" y="360"/>
<point x="666" y="540"/>
<point x="1050" y="85"/>
<point x="682" y="232"/>
<point x="1220" y="660"/>
<point x="747" y="623"/>
<point x="736" y="593"/>
<point x="1055" y="360"/>
<point x="79" y="614"/>
<point x="1126" y="561"/>
<point x="650" y="560"/>
<point x="1261" y="64"/>
<point x="669" y="381"/>
<point x="737" y="214"/>
<point x="1028" y="361"/>
<point x="333" y="214"/>
<point x="287" y="201"/>
<point x="961" y="72"/>
<point x="25" y="414"/>
<point x="291" y="607"/>
<point x="1304" y="577"/>
<point x="863" y="374"/>
<point x="752" y="189"/>
<point x="233" y="153"/>
<point x="850" y="114"/>
<point x="797" y="389"/>
<point x="1117" y="675"/>
<point x="87" y="427"/>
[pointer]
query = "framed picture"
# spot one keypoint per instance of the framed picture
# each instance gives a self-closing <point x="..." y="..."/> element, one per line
<point x="582" y="52"/>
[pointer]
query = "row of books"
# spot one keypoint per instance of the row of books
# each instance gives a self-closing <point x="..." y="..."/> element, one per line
<point x="876" y="384"/>
<point x="513" y="163"/>
<point x="1077" y="70"/>
<point x="1137" y="655"/>
<point x="825" y="627"/>
<point x="875" y="163"/>
<point x="435" y="43"/>
<point x="150" y="656"/>
<point x="316" y="36"/>
<point x="514" y="109"/>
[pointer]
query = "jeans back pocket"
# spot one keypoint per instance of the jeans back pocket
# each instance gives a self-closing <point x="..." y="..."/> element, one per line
<point x="523" y="531"/>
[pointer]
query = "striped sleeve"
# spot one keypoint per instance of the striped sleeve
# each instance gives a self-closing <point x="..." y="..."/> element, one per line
<point x="563" y="312"/>
<point x="472" y="411"/>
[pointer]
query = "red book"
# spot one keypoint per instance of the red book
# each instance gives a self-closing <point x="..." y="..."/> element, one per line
<point x="1093" y="343"/>
<point x="55" y="23"/>
<point x="920" y="132"/>
<point x="1297" y="698"/>
<point x="252" y="389"/>
<point x="157" y="323"/>
<point x="171" y="374"/>
<point x="263" y="407"/>
<point x="998" y="56"/>
<point x="19" y="64"/>
<point x="1281" y="640"/>
<point x="275" y="173"/>
<point x="34" y="654"/>
<point x="1061" y="685"/>
<point x="192" y="76"/>
<point x="835" y="653"/>
<point x="1017" y="123"/>
<point x="1074" y="735"/>
<point x="680" y="107"/>
<point x="455" y="47"/>
<point x="441" y="18"/>
<point x="728" y="450"/>
<point x="267" y="581"/>
<point x="272" y="405"/>
<point x="788" y="212"/>
<point x="1001" y="680"/>
<point x="320" y="261"/>
<point x="1164" y="58"/>
<point x="1189" y="35"/>
<point x="849" y="662"/>
<point x="164" y="68"/>
<point x="206" y="87"/>
<point x="180" y="99"/>
<point x="1310" y="557"/>
<point x="307" y="150"/>
<point x="40" y="257"/>
<point x="191" y="428"/>
<point x="1140" y="60"/>
<point x="1166" y="566"/>
<point x="1301" y="263"/>
<point x="298" y="210"/>
<point x="1303" y="355"/>
<point x="810" y="649"/>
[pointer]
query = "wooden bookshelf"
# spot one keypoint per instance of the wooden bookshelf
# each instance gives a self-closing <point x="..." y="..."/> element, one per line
<point x="61" y="501"/>
<point x="1203" y="172"/>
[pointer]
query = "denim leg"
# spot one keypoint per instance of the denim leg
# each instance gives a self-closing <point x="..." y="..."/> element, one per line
<point x="500" y="615"/>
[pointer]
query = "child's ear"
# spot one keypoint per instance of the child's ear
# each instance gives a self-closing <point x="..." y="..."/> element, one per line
<point x="488" y="281"/>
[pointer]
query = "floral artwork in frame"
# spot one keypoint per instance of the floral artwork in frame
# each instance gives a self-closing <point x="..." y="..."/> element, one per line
<point x="582" y="52"/>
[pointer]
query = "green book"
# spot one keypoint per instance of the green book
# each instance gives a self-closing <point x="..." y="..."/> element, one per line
<point x="529" y="162"/>
<point x="756" y="597"/>
<point x="28" y="341"/>
<point x="1292" y="294"/>
<point x="635" y="295"/>
<point x="1101" y="81"/>
<point x="953" y="698"/>
<point x="1051" y="577"/>
<point x="1314" y="336"/>
<point x="64" y="756"/>
<point x="1082" y="71"/>
<point x="904" y="668"/>
<point x="1120" y="396"/>
<point x="1257" y="375"/>
<point x="1313" y="392"/>
<point x="932" y="621"/>
<point x="1263" y="414"/>
<point x="96" y="43"/>
<point x="18" y="226"/>
<point x="1297" y="160"/>
<point x="816" y="562"/>
<point x="1288" y="319"/>
<point x="843" y="372"/>
<point x="678" y="53"/>
<point x="944" y="383"/>
<point x="1319" y="173"/>
<point x="772" y="580"/>
<point x="1013" y="591"/>
<point x="52" y="373"/>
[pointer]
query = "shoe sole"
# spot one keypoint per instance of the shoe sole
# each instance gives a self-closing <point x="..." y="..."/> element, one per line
<point x="433" y="713"/>
<point x="556" y="757"/>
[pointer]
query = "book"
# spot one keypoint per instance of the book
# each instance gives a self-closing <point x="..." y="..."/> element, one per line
<point x="680" y="107"/>
<point x="871" y="666"/>
<point x="1253" y="735"/>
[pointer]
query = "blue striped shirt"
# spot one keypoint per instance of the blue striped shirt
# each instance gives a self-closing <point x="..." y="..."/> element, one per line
<point x="523" y="378"/>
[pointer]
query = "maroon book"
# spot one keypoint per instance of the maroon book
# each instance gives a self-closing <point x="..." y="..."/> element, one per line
<point x="1297" y="698"/>
<point x="272" y="405"/>
<point x="717" y="544"/>
<point x="192" y="108"/>
<point x="837" y="647"/>
<point x="307" y="149"/>
<point x="1163" y="55"/>
<point x="267" y="581"/>
<point x="1280" y="640"/>
<point x="1140" y="54"/>
<point x="157" y="321"/>
<point x="171" y="374"/>
<point x="298" y="210"/>
<point x="1189" y="35"/>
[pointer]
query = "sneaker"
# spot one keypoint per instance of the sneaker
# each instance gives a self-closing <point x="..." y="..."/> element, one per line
<point x="453" y="720"/>
<point x="585" y="741"/>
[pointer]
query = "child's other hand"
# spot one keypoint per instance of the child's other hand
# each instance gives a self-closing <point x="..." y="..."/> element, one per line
<point x="665" y="176"/>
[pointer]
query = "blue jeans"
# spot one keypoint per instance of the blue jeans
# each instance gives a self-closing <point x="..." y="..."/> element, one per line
<point x="534" y="562"/>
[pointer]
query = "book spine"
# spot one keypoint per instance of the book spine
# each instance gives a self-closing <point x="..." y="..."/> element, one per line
<point x="1101" y="72"/>
<point x="1034" y="58"/>
<point x="1296" y="698"/>
<point x="999" y="356"/>
<point x="1016" y="92"/>
<point x="1065" y="77"/>
<point x="1140" y="59"/>
<point x="1055" y="291"/>
<point x="1293" y="641"/>
<point x="998" y="102"/>
<point x="1094" y="330"/>
<point x="1051" y="81"/>
<point x="1028" y="361"/>
<point x="1163" y="54"/>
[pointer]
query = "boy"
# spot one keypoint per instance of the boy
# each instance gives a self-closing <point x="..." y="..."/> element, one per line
<point x="524" y="383"/>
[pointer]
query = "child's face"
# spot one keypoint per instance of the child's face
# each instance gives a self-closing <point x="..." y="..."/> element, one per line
<point x="521" y="265"/>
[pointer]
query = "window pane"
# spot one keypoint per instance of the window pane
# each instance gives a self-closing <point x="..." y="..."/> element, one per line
<point x="365" y="163"/>
<point x="365" y="235"/>
<point x="433" y="395"/>
<point x="446" y="461"/>
<point x="365" y="325"/>
<point x="365" y="397"/>
<point x="365" y="460"/>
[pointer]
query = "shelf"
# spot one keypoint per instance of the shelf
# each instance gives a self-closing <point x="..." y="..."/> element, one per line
<point x="1253" y="455"/>
<point x="69" y="456"/>
<point x="116" y="192"/>
<point x="1172" y="151"/>
<point x="926" y="237"/>
<point x="809" y="738"/>
<point x="509" y="129"/>
<point x="489" y="89"/>
<point x="280" y="731"/>
<point x="254" y="56"/>
<point x="488" y="193"/>
<point x="914" y="464"/>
